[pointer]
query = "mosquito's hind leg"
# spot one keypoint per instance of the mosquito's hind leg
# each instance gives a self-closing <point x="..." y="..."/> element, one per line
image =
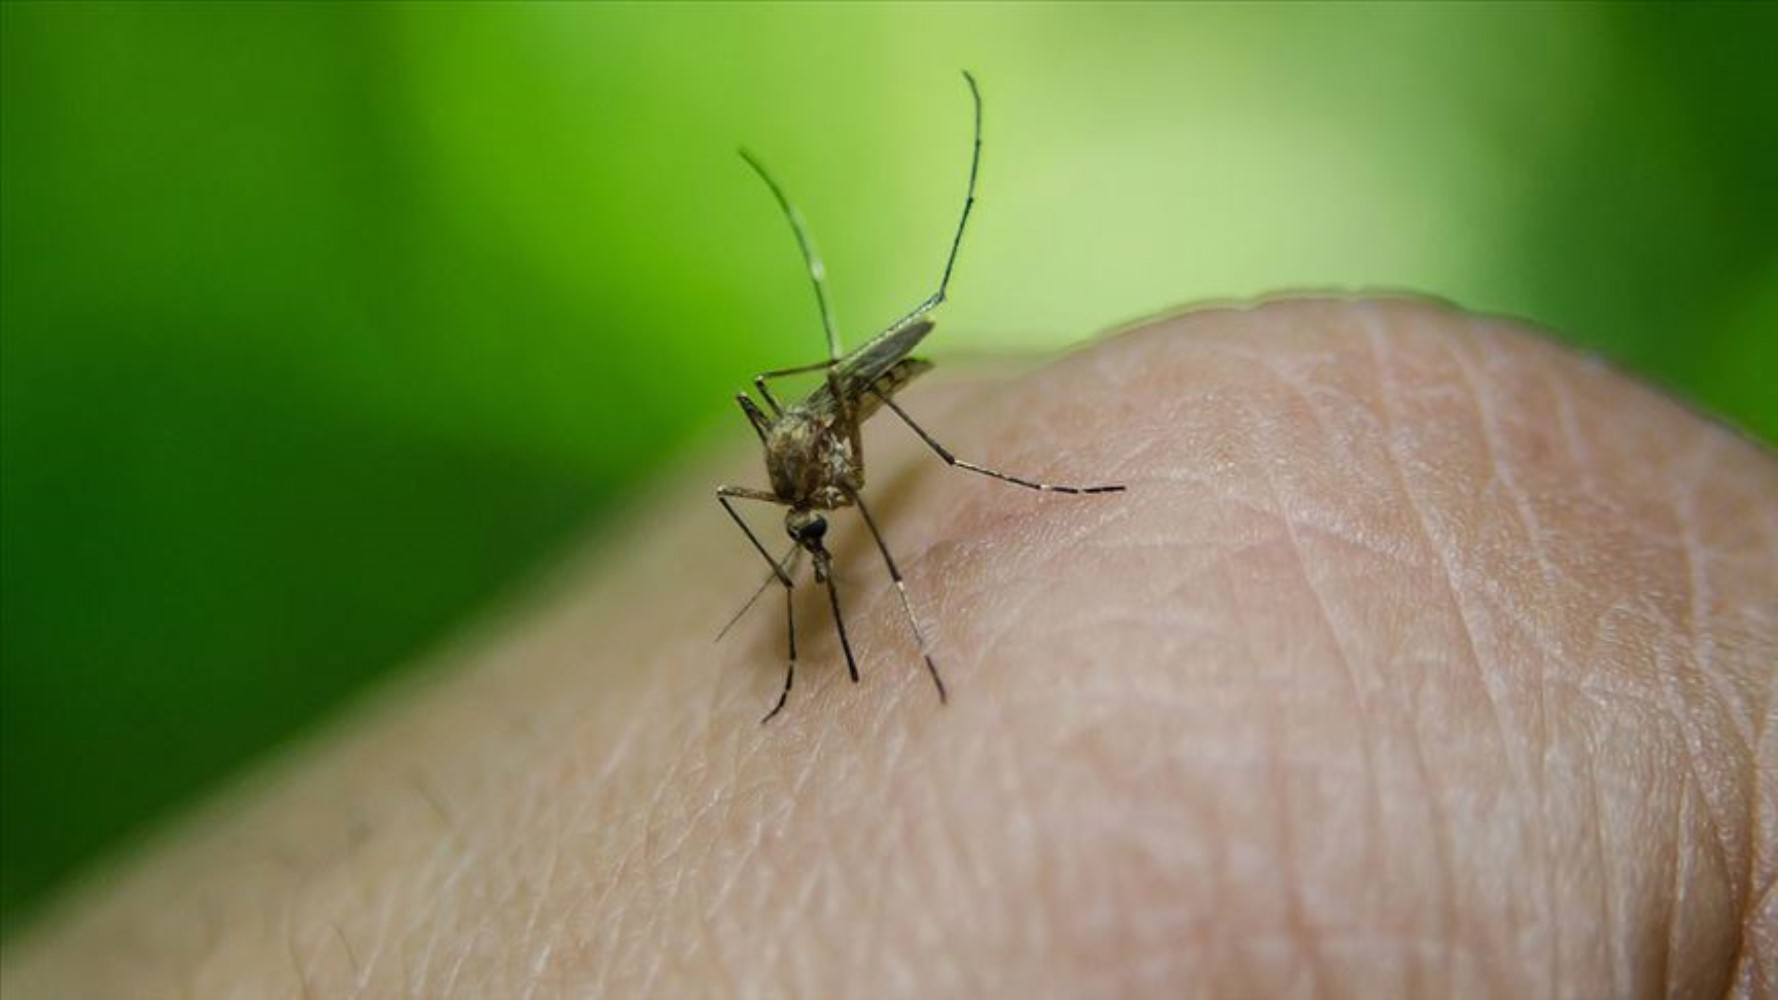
<point x="955" y="462"/>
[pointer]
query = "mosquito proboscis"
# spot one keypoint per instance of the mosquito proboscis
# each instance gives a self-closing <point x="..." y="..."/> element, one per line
<point x="813" y="451"/>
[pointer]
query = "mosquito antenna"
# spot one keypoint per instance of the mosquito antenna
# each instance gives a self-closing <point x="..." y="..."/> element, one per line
<point x="817" y="270"/>
<point x="975" y="163"/>
<point x="787" y="566"/>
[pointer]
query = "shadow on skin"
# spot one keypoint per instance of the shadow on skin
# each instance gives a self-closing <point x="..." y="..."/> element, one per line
<point x="1421" y="657"/>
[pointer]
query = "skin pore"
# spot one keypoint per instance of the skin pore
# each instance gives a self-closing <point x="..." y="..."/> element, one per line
<point x="1422" y="657"/>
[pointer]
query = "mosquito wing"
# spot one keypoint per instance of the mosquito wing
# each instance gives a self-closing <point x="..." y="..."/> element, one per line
<point x="881" y="362"/>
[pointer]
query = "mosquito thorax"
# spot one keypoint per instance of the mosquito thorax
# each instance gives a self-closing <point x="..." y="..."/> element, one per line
<point x="809" y="464"/>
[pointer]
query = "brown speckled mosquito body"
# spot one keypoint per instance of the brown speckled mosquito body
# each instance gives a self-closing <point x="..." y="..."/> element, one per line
<point x="813" y="453"/>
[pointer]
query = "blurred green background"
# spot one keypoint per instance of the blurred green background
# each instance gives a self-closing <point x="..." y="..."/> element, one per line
<point x="322" y="325"/>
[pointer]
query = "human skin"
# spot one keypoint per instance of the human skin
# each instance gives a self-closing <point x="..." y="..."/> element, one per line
<point x="1421" y="657"/>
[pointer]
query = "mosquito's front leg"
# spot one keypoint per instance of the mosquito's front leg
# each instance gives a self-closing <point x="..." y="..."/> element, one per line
<point x="724" y="494"/>
<point x="762" y="424"/>
<point x="790" y="667"/>
<point x="959" y="463"/>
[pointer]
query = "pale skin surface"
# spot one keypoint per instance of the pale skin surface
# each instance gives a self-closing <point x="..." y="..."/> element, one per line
<point x="1421" y="657"/>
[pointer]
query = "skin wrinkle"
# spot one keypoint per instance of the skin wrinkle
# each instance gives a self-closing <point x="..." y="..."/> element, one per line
<point x="1679" y="712"/>
<point x="747" y="848"/>
<point x="1612" y="916"/>
<point x="1750" y="729"/>
<point x="871" y="930"/>
<point x="439" y="898"/>
<point x="1652" y="719"/>
<point x="714" y="810"/>
<point x="528" y="939"/>
<point x="1672" y="860"/>
<point x="294" y="954"/>
<point x="1442" y="826"/>
<point x="352" y="957"/>
<point x="1252" y="657"/>
<point x="1699" y="624"/>
<point x="927" y="930"/>
<point x="380" y="940"/>
<point x="1295" y="914"/>
<point x="514" y="880"/>
<point x="1287" y="516"/>
<point x="870" y="919"/>
<point x="1676" y="893"/>
<point x="1501" y="468"/>
<point x="1456" y="593"/>
<point x="1497" y="472"/>
<point x="996" y="754"/>
<point x="798" y="887"/>
<point x="1295" y="919"/>
<point x="1760" y="920"/>
<point x="757" y="868"/>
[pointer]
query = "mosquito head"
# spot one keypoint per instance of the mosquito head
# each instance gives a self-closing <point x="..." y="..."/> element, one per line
<point x="807" y="527"/>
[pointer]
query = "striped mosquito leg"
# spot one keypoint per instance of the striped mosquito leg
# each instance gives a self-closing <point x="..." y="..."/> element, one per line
<point x="790" y="670"/>
<point x="824" y="573"/>
<point x="955" y="462"/>
<point x="726" y="493"/>
<point x="901" y="590"/>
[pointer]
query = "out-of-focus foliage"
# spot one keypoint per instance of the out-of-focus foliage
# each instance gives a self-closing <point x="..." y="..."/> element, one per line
<point x="322" y="323"/>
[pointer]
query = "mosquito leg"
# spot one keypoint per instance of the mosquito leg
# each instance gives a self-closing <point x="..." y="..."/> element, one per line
<point x="839" y="620"/>
<point x="790" y="668"/>
<point x="755" y="416"/>
<point x="959" y="463"/>
<point x="902" y="591"/>
<point x="817" y="271"/>
<point x="813" y="366"/>
<point x="788" y="564"/>
<point x="785" y="569"/>
<point x="975" y="162"/>
<point x="724" y="494"/>
<point x="848" y="406"/>
<point x="759" y="381"/>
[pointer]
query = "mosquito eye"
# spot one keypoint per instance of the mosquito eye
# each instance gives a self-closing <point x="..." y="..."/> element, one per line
<point x="814" y="530"/>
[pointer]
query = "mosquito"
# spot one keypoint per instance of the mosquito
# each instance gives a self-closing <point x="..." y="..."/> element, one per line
<point x="813" y="452"/>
